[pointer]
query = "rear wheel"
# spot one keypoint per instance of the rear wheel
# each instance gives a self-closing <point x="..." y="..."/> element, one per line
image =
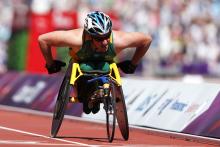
<point x="60" y="106"/>
<point x="110" y="115"/>
<point x="121" y="113"/>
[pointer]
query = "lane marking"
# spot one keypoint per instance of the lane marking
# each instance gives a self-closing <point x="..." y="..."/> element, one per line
<point x="17" y="142"/>
<point x="38" y="135"/>
<point x="23" y="142"/>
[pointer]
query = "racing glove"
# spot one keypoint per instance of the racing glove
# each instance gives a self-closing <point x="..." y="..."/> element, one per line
<point x="55" y="67"/>
<point x="127" y="67"/>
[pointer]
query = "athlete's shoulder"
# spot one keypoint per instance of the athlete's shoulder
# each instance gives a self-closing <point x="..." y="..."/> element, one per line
<point x="77" y="32"/>
<point x="120" y="34"/>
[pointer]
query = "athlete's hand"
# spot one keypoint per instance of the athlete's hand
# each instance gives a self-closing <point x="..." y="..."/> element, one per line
<point x="127" y="67"/>
<point x="55" y="67"/>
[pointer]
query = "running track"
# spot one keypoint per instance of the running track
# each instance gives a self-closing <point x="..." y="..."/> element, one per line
<point x="23" y="128"/>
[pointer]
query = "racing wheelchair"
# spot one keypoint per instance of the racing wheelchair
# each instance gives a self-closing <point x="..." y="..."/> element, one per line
<point x="108" y="91"/>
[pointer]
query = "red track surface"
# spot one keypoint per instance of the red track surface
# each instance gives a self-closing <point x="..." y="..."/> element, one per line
<point x="25" y="129"/>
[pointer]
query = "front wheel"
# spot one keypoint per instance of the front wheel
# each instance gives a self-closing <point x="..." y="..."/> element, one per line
<point x="60" y="106"/>
<point x="110" y="114"/>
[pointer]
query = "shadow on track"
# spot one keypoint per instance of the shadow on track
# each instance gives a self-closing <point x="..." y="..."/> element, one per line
<point x="89" y="138"/>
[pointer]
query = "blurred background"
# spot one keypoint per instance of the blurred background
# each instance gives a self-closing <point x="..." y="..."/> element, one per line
<point x="186" y="33"/>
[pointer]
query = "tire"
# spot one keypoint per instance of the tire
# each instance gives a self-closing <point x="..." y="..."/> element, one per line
<point x="111" y="115"/>
<point x="60" y="106"/>
<point x="121" y="113"/>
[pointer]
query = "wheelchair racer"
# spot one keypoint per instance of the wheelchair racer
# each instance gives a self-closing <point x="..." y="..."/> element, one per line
<point x="94" y="47"/>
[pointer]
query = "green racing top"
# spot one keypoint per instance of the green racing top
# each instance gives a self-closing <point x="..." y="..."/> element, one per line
<point x="89" y="59"/>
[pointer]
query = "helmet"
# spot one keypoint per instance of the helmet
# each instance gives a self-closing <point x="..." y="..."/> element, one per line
<point x="98" y="24"/>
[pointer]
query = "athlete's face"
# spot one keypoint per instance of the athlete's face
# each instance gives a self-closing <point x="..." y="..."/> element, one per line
<point x="101" y="44"/>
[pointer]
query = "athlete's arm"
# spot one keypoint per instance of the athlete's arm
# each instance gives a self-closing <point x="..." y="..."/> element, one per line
<point x="72" y="38"/>
<point x="140" y="41"/>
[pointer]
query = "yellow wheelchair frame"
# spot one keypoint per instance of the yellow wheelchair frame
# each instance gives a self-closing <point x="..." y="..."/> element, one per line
<point x="76" y="73"/>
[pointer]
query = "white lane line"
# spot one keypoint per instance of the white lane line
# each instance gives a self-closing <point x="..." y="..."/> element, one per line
<point x="17" y="142"/>
<point x="23" y="142"/>
<point x="38" y="135"/>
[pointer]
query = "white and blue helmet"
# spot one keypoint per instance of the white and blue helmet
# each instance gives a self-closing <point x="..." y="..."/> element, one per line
<point x="98" y="24"/>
